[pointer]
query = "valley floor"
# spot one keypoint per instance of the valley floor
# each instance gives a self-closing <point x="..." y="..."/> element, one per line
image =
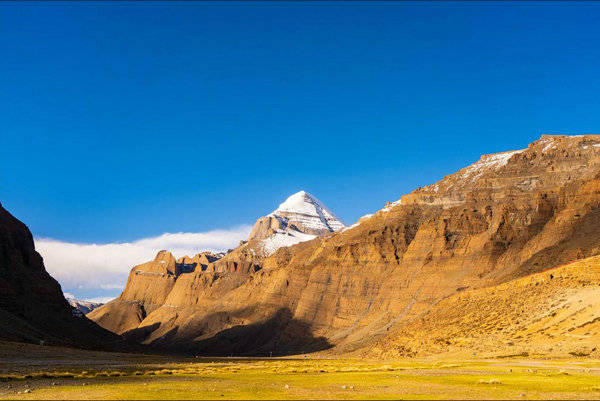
<point x="34" y="372"/>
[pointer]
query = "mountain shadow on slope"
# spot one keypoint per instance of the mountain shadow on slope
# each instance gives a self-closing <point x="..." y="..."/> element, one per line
<point x="577" y="244"/>
<point x="279" y="335"/>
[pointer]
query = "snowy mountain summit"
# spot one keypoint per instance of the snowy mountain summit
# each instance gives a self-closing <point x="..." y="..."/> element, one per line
<point x="308" y="214"/>
<point x="300" y="218"/>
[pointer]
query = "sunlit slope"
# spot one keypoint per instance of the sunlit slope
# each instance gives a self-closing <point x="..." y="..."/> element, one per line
<point x="502" y="218"/>
<point x="555" y="312"/>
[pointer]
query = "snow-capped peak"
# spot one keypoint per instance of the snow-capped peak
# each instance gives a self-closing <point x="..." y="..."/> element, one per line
<point x="300" y="202"/>
<point x="301" y="217"/>
<point x="306" y="209"/>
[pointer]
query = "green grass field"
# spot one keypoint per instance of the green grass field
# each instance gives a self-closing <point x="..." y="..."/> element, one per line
<point x="310" y="379"/>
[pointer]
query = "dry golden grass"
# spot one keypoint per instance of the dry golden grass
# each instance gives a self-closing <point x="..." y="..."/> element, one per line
<point x="555" y="313"/>
<point x="509" y="378"/>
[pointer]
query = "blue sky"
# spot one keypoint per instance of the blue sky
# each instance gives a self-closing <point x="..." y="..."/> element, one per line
<point x="123" y="121"/>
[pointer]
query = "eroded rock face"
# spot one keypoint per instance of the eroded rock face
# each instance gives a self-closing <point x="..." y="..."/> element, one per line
<point x="155" y="289"/>
<point x="553" y="313"/>
<point x="200" y="261"/>
<point x="506" y="216"/>
<point x="147" y="288"/>
<point x="32" y="306"/>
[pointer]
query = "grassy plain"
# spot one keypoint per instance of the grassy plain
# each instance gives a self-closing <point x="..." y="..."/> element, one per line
<point x="58" y="373"/>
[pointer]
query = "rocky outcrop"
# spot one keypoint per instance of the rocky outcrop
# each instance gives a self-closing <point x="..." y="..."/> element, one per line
<point x="32" y="306"/>
<point x="200" y="261"/>
<point x="156" y="289"/>
<point x="504" y="217"/>
<point x="147" y="288"/>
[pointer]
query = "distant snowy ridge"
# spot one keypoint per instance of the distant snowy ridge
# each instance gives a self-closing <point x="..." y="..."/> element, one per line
<point x="84" y="307"/>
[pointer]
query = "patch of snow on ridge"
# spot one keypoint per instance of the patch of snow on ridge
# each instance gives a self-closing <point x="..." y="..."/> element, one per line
<point x="493" y="161"/>
<point x="391" y="206"/>
<point x="350" y="227"/>
<point x="360" y="220"/>
<point x="386" y="209"/>
<point x="433" y="187"/>
<point x="500" y="159"/>
<point x="550" y="144"/>
<point x="282" y="239"/>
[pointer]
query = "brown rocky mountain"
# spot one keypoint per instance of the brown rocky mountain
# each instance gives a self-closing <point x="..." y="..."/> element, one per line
<point x="32" y="306"/>
<point x="155" y="288"/>
<point x="504" y="217"/>
<point x="199" y="261"/>
<point x="555" y="313"/>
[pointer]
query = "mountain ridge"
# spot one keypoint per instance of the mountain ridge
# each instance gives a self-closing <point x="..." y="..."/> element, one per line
<point x="163" y="282"/>
<point x="505" y="216"/>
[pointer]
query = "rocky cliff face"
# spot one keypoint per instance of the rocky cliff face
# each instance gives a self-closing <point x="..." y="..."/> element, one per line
<point x="555" y="313"/>
<point x="32" y="306"/>
<point x="504" y="217"/>
<point x="199" y="261"/>
<point x="147" y="288"/>
<point x="155" y="289"/>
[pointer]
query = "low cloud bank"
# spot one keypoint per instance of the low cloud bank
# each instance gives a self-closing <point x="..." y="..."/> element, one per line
<point x="103" y="268"/>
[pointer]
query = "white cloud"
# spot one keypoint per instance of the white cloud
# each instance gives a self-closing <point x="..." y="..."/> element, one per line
<point x="101" y="300"/>
<point x="90" y="267"/>
<point x="111" y="286"/>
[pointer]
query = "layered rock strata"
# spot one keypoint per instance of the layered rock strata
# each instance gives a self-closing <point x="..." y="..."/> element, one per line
<point x="504" y="217"/>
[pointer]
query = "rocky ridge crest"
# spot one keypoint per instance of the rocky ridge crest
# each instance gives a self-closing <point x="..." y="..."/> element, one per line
<point x="504" y="217"/>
